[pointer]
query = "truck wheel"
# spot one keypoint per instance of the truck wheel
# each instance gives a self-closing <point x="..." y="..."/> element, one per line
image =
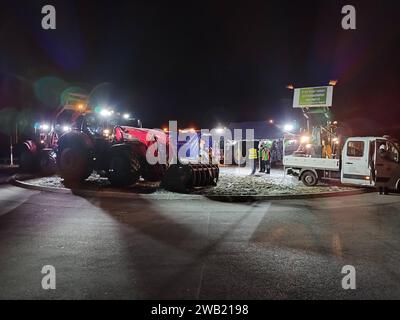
<point x="74" y="165"/>
<point x="124" y="169"/>
<point x="309" y="179"/>
<point x="27" y="161"/>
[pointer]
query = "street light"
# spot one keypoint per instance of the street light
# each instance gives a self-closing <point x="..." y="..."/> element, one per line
<point x="126" y="116"/>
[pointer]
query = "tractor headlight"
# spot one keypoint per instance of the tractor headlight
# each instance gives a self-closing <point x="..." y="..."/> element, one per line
<point x="305" y="139"/>
<point x="45" y="127"/>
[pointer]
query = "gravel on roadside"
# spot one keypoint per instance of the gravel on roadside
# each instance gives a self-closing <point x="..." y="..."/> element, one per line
<point x="233" y="182"/>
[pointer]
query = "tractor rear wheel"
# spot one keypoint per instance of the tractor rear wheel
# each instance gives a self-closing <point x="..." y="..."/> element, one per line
<point x="74" y="165"/>
<point x="124" y="169"/>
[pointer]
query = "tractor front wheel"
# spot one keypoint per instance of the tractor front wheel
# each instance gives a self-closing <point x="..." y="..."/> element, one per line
<point x="124" y="169"/>
<point x="27" y="161"/>
<point x="47" y="163"/>
<point x="154" y="173"/>
<point x="74" y="165"/>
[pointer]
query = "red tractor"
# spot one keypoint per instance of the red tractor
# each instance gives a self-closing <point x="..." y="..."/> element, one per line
<point x="117" y="146"/>
<point x="38" y="155"/>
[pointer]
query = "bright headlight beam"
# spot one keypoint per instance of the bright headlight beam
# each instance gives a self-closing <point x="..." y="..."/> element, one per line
<point x="106" y="112"/>
<point x="288" y="127"/>
<point x="305" y="139"/>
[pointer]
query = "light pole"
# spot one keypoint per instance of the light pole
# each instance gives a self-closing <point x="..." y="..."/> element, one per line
<point x="11" y="151"/>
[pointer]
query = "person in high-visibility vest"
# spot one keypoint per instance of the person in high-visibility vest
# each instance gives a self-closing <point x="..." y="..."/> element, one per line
<point x="266" y="158"/>
<point x="253" y="157"/>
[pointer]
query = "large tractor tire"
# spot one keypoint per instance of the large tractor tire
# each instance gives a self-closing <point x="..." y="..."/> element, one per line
<point x="47" y="162"/>
<point x="73" y="164"/>
<point x="154" y="173"/>
<point x="28" y="161"/>
<point x="124" y="168"/>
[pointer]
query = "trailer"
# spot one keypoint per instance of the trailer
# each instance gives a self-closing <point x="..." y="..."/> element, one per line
<point x="364" y="161"/>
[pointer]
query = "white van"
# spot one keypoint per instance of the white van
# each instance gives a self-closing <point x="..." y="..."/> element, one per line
<point x="365" y="161"/>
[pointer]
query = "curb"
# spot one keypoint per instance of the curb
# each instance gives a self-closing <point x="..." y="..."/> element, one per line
<point x="178" y="196"/>
<point x="288" y="197"/>
<point x="103" y="194"/>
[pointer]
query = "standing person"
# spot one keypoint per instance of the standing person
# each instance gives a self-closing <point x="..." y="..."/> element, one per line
<point x="261" y="151"/>
<point x="267" y="160"/>
<point x="253" y="159"/>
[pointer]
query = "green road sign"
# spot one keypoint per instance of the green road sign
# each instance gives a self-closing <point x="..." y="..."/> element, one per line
<point x="313" y="97"/>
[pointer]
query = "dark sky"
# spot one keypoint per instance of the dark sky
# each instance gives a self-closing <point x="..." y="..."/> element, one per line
<point x="205" y="63"/>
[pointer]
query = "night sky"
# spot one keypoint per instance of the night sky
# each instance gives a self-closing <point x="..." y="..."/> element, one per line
<point x="205" y="63"/>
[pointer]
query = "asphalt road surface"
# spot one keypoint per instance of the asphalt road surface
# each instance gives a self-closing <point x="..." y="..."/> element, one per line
<point x="198" y="249"/>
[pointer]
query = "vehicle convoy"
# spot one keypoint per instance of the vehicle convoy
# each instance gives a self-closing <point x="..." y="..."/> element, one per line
<point x="116" y="147"/>
<point x="363" y="161"/>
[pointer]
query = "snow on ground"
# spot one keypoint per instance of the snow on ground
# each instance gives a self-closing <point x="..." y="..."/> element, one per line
<point x="234" y="181"/>
<point x="237" y="181"/>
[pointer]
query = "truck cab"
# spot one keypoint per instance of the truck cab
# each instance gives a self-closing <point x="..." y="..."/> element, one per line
<point x="371" y="161"/>
<point x="358" y="161"/>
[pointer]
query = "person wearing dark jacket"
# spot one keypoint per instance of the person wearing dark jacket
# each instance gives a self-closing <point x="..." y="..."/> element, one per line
<point x="260" y="156"/>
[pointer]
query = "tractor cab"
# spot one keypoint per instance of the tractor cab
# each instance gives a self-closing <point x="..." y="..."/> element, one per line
<point x="100" y="127"/>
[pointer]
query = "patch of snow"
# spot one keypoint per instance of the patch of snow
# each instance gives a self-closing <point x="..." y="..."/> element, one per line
<point x="233" y="181"/>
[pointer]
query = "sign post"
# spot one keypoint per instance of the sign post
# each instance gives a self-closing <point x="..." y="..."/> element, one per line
<point x="11" y="152"/>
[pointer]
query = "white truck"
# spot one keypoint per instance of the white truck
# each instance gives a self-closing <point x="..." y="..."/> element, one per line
<point x="365" y="161"/>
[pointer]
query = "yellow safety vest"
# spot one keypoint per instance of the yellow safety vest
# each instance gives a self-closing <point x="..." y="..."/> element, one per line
<point x="252" y="154"/>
